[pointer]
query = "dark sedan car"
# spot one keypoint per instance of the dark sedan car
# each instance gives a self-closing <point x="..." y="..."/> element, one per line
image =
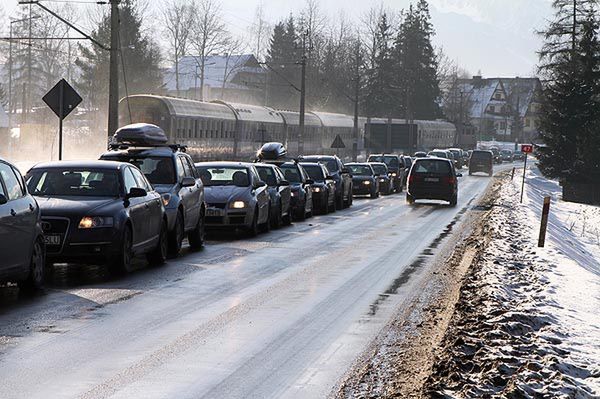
<point x="99" y="211"/>
<point x="280" y="192"/>
<point x="340" y="174"/>
<point x="323" y="188"/>
<point x="432" y="178"/>
<point x="22" y="251"/>
<point x="364" y="180"/>
<point x="385" y="183"/>
<point x="301" y="184"/>
<point x="235" y="195"/>
<point x="397" y="170"/>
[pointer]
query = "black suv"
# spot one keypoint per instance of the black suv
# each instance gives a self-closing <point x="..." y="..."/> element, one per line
<point x="433" y="179"/>
<point x="22" y="249"/>
<point x="340" y="174"/>
<point x="397" y="170"/>
<point x="172" y="174"/>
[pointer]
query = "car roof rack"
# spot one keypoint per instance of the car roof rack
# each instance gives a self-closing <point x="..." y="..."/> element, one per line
<point x="123" y="146"/>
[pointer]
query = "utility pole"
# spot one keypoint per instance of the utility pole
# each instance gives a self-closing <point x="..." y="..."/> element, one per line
<point x="302" y="97"/>
<point x="113" y="83"/>
<point x="27" y="91"/>
<point x="356" y="101"/>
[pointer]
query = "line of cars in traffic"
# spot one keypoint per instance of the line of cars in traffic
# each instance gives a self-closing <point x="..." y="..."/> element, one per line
<point x="143" y="197"/>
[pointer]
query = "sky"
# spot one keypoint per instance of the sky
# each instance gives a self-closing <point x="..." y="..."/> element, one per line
<point x="494" y="37"/>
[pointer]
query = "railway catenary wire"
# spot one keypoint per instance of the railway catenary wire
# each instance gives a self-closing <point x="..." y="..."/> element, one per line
<point x="221" y="130"/>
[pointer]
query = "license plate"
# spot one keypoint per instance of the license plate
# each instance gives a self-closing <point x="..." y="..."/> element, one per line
<point x="52" y="239"/>
<point x="214" y="212"/>
<point x="432" y="179"/>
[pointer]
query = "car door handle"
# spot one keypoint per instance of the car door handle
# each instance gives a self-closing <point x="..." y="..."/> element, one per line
<point x="31" y="207"/>
<point x="13" y="213"/>
<point x="146" y="205"/>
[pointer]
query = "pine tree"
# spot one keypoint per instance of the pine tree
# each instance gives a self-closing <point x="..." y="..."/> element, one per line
<point x="283" y="72"/>
<point x="139" y="57"/>
<point x="570" y="114"/>
<point x="416" y="66"/>
<point x="379" y="100"/>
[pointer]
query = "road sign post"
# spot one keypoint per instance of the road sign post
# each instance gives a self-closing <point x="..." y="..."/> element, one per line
<point x="62" y="100"/>
<point x="527" y="149"/>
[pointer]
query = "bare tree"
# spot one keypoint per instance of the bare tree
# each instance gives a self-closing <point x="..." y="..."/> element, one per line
<point x="178" y="18"/>
<point x="209" y="35"/>
<point x="232" y="50"/>
<point x="260" y="31"/>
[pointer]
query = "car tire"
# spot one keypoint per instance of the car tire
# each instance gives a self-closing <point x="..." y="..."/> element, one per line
<point x="266" y="226"/>
<point x="410" y="199"/>
<point x="453" y="201"/>
<point x="176" y="236"/>
<point x="37" y="268"/>
<point x="122" y="263"/>
<point x="196" y="236"/>
<point x="350" y="196"/>
<point x="277" y="220"/>
<point x="339" y="201"/>
<point x="334" y="206"/>
<point x="159" y="255"/>
<point x="253" y="229"/>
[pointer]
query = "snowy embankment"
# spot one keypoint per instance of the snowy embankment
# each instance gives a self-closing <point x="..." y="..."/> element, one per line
<point x="528" y="320"/>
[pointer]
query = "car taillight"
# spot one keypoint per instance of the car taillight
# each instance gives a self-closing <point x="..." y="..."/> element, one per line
<point x="449" y="179"/>
<point x="414" y="178"/>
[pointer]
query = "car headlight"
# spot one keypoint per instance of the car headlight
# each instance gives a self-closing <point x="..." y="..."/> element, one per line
<point x="382" y="180"/>
<point x="394" y="174"/>
<point x="238" y="204"/>
<point x="294" y="193"/>
<point x="166" y="198"/>
<point x="93" y="222"/>
<point x="316" y="189"/>
<point x="366" y="182"/>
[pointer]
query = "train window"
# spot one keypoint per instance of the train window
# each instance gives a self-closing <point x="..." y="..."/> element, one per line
<point x="196" y="128"/>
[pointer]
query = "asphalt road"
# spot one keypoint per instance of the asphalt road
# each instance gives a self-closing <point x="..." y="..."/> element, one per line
<point x="281" y="315"/>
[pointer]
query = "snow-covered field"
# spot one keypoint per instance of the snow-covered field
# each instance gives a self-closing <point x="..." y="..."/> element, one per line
<point x="528" y="320"/>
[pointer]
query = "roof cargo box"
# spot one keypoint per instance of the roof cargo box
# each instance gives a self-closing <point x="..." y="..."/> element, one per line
<point x="271" y="151"/>
<point x="140" y="134"/>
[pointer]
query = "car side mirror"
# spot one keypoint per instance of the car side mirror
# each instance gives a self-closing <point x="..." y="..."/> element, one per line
<point x="188" y="182"/>
<point x="3" y="199"/>
<point x="259" y="184"/>
<point x="310" y="181"/>
<point x="284" y="183"/>
<point x="137" y="192"/>
<point x="345" y="170"/>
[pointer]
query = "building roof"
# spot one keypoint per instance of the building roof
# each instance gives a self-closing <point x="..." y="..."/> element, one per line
<point x="216" y="69"/>
<point x="521" y="92"/>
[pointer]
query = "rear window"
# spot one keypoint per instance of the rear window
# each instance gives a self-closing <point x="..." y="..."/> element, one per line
<point x="380" y="169"/>
<point x="291" y="173"/>
<point x="481" y="155"/>
<point x="425" y="166"/>
<point x="158" y="170"/>
<point x="314" y="172"/>
<point x="360" y="170"/>
<point x="330" y="163"/>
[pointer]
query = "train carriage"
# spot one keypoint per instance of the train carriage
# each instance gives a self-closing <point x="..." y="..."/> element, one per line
<point x="334" y="125"/>
<point x="312" y="131"/>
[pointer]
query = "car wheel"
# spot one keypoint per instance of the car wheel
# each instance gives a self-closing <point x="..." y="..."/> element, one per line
<point x="176" y="236"/>
<point x="339" y="201"/>
<point x="159" y="255"/>
<point x="350" y="196"/>
<point x="334" y="206"/>
<point x="454" y="200"/>
<point x="37" y="266"/>
<point x="253" y="229"/>
<point x="301" y="212"/>
<point x="470" y="173"/>
<point x="410" y="199"/>
<point x="374" y="194"/>
<point x="196" y="236"/>
<point x="124" y="259"/>
<point x="277" y="219"/>
<point x="266" y="226"/>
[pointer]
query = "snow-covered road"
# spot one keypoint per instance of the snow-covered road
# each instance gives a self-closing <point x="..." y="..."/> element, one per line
<point x="282" y="315"/>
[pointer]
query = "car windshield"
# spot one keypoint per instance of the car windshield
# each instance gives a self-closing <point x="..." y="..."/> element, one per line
<point x="481" y="155"/>
<point x="426" y="166"/>
<point x="224" y="176"/>
<point x="360" y="170"/>
<point x="73" y="182"/>
<point x="291" y="173"/>
<point x="315" y="172"/>
<point x="380" y="169"/>
<point x="391" y="162"/>
<point x="267" y="174"/>
<point x="331" y="164"/>
<point x="158" y="170"/>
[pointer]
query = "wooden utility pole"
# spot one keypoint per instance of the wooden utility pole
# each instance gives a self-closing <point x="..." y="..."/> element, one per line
<point x="302" y="96"/>
<point x="113" y="83"/>
<point x="356" y="101"/>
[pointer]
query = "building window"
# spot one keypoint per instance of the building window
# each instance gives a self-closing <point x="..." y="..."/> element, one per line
<point x="502" y="125"/>
<point x="492" y="108"/>
<point x="498" y="96"/>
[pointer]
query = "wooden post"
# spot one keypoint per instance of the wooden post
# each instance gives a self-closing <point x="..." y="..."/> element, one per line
<point x="544" y="224"/>
<point x="523" y="184"/>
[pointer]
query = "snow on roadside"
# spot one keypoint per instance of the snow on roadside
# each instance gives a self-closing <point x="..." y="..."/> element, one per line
<point x="528" y="322"/>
